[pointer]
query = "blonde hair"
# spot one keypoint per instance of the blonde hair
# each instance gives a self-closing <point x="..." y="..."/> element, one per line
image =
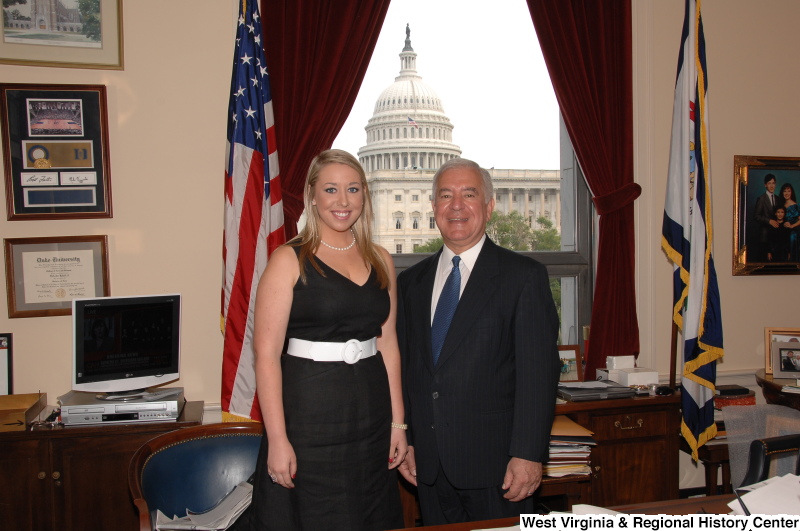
<point x="310" y="237"/>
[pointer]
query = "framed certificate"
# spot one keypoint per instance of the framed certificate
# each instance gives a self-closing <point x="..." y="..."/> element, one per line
<point x="43" y="275"/>
<point x="55" y="151"/>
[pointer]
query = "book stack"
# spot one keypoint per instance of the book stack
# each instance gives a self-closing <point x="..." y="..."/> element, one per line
<point x="733" y="395"/>
<point x="570" y="449"/>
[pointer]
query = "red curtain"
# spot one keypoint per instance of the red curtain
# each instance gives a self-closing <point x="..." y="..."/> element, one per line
<point x="587" y="49"/>
<point x="317" y="54"/>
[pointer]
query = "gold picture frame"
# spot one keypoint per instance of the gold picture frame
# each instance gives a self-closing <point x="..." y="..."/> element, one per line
<point x="756" y="247"/>
<point x="777" y="335"/>
<point x="44" y="275"/>
<point x="92" y="39"/>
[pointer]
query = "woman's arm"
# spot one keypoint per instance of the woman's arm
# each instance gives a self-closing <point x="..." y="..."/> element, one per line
<point x="387" y="344"/>
<point x="273" y="304"/>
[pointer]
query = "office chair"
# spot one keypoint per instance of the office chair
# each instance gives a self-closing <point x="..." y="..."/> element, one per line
<point x="762" y="451"/>
<point x="191" y="468"/>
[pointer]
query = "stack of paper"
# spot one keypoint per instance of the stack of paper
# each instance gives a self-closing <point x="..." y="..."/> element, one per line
<point x="776" y="495"/>
<point x="220" y="517"/>
<point x="570" y="448"/>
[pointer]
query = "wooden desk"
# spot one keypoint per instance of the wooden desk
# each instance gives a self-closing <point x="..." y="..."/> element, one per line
<point x="709" y="504"/>
<point x="773" y="390"/>
<point x="75" y="478"/>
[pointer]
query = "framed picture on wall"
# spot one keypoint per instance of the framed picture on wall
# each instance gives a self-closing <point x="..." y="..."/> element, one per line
<point x="43" y="275"/>
<point x="6" y="365"/>
<point x="766" y="215"/>
<point x="778" y="335"/>
<point x="88" y="34"/>
<point x="55" y="151"/>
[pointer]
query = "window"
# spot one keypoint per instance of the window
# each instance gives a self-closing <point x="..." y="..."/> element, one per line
<point x="549" y="202"/>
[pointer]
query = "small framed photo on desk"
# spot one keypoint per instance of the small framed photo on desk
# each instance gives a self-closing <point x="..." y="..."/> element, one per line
<point x="786" y="360"/>
<point x="571" y="363"/>
<point x="6" y="367"/>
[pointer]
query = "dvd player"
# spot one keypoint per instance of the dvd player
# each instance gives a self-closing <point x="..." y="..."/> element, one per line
<point x="157" y="405"/>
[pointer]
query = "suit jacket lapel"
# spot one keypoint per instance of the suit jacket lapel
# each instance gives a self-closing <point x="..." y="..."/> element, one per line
<point x="420" y="298"/>
<point x="482" y="283"/>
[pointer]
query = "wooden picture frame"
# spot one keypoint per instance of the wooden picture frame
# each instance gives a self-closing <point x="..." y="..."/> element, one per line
<point x="785" y="360"/>
<point x="55" y="151"/>
<point x="43" y="275"/>
<point x="778" y="335"/>
<point x="91" y="39"/>
<point x="571" y="363"/>
<point x="761" y="247"/>
<point x="6" y="364"/>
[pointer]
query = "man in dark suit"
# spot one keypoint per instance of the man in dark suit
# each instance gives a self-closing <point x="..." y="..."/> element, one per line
<point x="764" y="214"/>
<point x="480" y="414"/>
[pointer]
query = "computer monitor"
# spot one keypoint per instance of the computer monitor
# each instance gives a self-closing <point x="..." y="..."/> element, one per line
<point x="123" y="345"/>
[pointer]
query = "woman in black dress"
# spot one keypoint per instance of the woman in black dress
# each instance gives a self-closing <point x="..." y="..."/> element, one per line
<point x="328" y="367"/>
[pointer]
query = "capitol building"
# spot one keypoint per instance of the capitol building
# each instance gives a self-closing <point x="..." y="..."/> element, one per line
<point x="408" y="138"/>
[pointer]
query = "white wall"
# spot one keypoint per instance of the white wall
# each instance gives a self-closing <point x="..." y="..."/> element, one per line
<point x="167" y="131"/>
<point x="167" y="123"/>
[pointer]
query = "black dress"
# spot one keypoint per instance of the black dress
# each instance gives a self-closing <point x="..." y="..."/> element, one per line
<point x="338" y="418"/>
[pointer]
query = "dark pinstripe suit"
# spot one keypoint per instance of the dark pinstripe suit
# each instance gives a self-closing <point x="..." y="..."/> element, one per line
<point x="492" y="394"/>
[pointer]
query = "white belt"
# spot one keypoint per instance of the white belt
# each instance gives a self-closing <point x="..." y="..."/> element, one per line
<point x="349" y="352"/>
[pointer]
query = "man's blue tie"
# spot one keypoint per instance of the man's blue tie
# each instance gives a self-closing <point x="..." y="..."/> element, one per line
<point x="445" y="308"/>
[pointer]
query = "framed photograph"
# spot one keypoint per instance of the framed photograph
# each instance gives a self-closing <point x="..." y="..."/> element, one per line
<point x="43" y="275"/>
<point x="80" y="34"/>
<point x="778" y="335"/>
<point x="55" y="151"/>
<point x="766" y="215"/>
<point x="786" y="360"/>
<point x="571" y="363"/>
<point x="6" y="366"/>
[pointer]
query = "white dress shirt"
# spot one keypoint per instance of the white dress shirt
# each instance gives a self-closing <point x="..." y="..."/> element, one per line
<point x="467" y="264"/>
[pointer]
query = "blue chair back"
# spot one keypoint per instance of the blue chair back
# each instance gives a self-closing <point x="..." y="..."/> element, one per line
<point x="192" y="468"/>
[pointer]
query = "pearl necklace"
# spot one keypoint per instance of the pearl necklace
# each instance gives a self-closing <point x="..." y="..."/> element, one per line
<point x="329" y="246"/>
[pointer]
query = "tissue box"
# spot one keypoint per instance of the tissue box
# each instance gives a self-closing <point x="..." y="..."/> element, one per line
<point x="17" y="411"/>
<point x="632" y="376"/>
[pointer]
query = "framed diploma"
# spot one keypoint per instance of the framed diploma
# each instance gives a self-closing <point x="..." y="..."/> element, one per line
<point x="55" y="151"/>
<point x="43" y="275"/>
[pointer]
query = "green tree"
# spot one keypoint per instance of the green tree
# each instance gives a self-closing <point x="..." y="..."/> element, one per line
<point x="547" y="237"/>
<point x="430" y="246"/>
<point x="511" y="231"/>
<point x="90" y="14"/>
<point x="9" y="3"/>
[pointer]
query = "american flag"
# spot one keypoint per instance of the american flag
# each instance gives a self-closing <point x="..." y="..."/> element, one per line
<point x="412" y="122"/>
<point x="253" y="211"/>
<point x="687" y="236"/>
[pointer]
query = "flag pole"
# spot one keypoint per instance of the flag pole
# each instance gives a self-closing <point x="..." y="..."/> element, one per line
<point x="673" y="354"/>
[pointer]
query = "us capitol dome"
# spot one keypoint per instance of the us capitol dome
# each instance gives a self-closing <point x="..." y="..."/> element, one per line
<point x="408" y="138"/>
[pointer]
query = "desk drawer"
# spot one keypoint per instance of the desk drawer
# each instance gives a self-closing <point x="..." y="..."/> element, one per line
<point x="630" y="425"/>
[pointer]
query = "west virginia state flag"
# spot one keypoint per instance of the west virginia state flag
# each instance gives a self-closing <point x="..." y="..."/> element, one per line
<point x="687" y="236"/>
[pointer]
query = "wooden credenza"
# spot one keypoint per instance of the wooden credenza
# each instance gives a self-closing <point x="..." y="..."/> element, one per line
<point x="76" y="478"/>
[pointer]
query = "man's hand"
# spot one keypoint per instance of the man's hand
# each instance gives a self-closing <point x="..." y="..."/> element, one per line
<point x="408" y="468"/>
<point x="522" y="479"/>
